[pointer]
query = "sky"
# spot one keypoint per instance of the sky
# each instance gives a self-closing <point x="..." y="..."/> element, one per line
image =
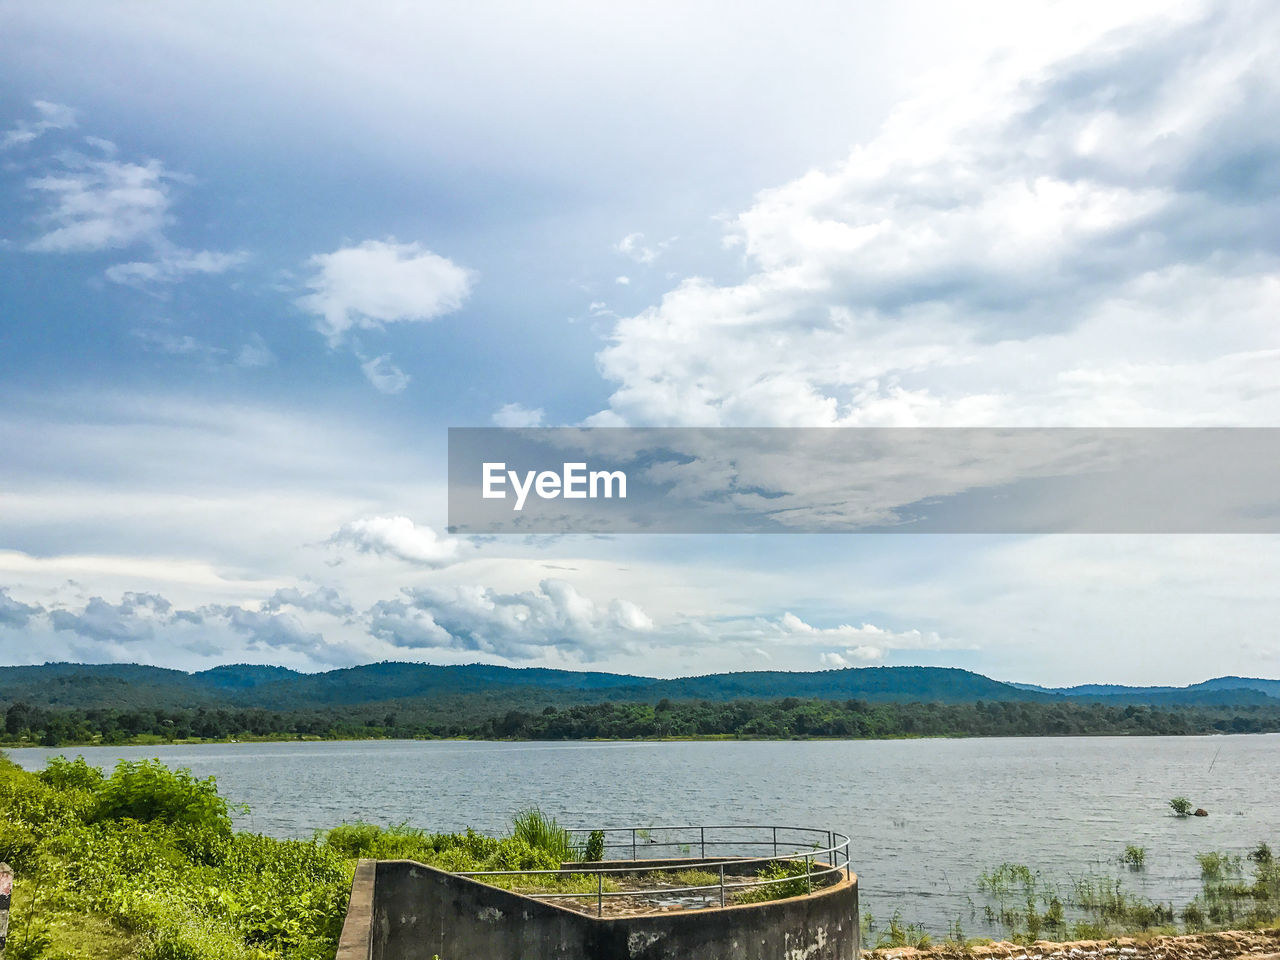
<point x="256" y="259"/>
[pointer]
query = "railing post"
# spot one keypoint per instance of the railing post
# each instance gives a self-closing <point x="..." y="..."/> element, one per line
<point x="599" y="897"/>
<point x="702" y="831"/>
<point x="721" y="889"/>
<point x="808" y="877"/>
<point x="6" y="891"/>
<point x="775" y="843"/>
<point x="633" y="843"/>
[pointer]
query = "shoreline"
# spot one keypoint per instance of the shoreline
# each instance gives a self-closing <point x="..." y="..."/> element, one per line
<point x="1263" y="944"/>
<point x="151" y="741"/>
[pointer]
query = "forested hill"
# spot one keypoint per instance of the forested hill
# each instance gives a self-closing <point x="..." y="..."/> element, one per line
<point x="131" y="686"/>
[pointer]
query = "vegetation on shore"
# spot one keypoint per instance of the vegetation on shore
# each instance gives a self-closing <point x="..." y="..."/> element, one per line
<point x="786" y="718"/>
<point x="142" y="862"/>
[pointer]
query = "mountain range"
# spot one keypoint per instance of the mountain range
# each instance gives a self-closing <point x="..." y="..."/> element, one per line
<point x="135" y="686"/>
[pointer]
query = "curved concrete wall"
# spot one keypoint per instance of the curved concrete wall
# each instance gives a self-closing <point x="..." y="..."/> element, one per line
<point x="419" y="913"/>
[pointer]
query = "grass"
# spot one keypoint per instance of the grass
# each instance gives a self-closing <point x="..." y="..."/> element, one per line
<point x="543" y="832"/>
<point x="1215" y="865"/>
<point x="143" y="863"/>
<point x="787" y="878"/>
<point x="898" y="934"/>
<point x="675" y="878"/>
<point x="1135" y="858"/>
<point x="1026" y="906"/>
<point x="76" y="935"/>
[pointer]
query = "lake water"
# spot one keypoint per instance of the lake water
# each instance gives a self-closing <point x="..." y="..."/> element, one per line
<point x="926" y="817"/>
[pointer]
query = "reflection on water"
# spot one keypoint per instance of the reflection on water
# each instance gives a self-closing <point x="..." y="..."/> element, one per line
<point x="925" y="816"/>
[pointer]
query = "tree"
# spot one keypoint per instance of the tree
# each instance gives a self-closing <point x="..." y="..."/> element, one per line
<point x="17" y="718"/>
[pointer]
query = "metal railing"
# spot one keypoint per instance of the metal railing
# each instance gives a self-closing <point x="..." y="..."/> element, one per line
<point x="820" y="861"/>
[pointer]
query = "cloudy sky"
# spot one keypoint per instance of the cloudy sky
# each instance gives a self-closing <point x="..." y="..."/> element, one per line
<point x="254" y="261"/>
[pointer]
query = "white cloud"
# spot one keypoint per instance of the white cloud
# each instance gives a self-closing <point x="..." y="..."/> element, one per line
<point x="15" y="613"/>
<point x="255" y="353"/>
<point x="1078" y="233"/>
<point x="103" y="204"/>
<point x="99" y="143"/>
<point x="143" y="624"/>
<point x="862" y="644"/>
<point x="510" y="625"/>
<point x="516" y="416"/>
<point x="164" y="341"/>
<point x="622" y="281"/>
<point x="106" y="204"/>
<point x="135" y="618"/>
<point x="321" y="599"/>
<point x="385" y="376"/>
<point x="53" y="116"/>
<point x="401" y="538"/>
<point x="852" y="657"/>
<point x="633" y="246"/>
<point x="380" y="282"/>
<point x="174" y="265"/>
<point x="273" y="631"/>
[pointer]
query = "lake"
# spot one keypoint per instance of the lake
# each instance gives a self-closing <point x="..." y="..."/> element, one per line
<point x="926" y="817"/>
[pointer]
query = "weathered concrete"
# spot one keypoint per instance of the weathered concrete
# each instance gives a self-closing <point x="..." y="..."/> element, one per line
<point x="420" y="913"/>
<point x="356" y="942"/>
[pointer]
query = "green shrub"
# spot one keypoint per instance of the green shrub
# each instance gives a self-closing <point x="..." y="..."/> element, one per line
<point x="18" y="845"/>
<point x="1181" y="806"/>
<point x="1135" y="858"/>
<point x="28" y="942"/>
<point x="1193" y="917"/>
<point x="594" y="851"/>
<point x="63" y="774"/>
<point x="369" y="840"/>
<point x="789" y="879"/>
<point x="147" y="790"/>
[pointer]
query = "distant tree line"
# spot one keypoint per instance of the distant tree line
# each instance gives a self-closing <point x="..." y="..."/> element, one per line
<point x="786" y="718"/>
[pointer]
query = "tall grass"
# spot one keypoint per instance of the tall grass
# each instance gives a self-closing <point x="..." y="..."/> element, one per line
<point x="1214" y="865"/>
<point x="542" y="832"/>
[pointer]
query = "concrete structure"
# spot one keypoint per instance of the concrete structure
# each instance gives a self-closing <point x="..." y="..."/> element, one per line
<point x="402" y="910"/>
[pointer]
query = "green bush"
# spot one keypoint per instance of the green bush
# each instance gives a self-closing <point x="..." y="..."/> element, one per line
<point x="594" y="851"/>
<point x="1181" y="806"/>
<point x="151" y="852"/>
<point x="788" y="878"/>
<point x="1135" y="858"/>
<point x="147" y="790"/>
<point x="63" y="774"/>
